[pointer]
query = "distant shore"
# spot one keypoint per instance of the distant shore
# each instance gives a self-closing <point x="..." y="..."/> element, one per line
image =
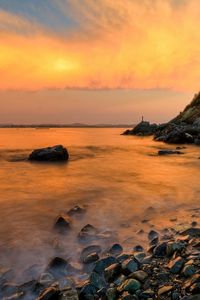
<point x="46" y="126"/>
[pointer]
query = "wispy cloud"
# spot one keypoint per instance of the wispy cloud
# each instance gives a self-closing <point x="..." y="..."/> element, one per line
<point x="109" y="44"/>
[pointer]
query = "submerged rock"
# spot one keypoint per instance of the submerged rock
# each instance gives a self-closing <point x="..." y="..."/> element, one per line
<point x="169" y="152"/>
<point x="116" y="249"/>
<point x="76" y="211"/>
<point x="62" y="224"/>
<point x="193" y="232"/>
<point x="55" y="153"/>
<point x="90" y="250"/>
<point x="88" y="232"/>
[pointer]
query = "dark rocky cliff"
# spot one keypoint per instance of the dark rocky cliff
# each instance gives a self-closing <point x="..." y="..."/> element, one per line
<point x="184" y="128"/>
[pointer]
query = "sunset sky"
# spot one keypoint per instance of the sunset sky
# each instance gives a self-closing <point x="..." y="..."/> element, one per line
<point x="97" y="61"/>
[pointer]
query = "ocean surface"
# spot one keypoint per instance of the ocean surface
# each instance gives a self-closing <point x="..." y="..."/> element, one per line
<point x="120" y="180"/>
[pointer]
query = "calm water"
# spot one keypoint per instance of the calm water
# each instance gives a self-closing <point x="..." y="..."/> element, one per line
<point x="118" y="179"/>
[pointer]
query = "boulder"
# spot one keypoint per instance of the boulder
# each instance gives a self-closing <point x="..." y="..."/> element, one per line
<point x="50" y="154"/>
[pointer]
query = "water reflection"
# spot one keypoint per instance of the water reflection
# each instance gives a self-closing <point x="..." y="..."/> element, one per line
<point x="120" y="181"/>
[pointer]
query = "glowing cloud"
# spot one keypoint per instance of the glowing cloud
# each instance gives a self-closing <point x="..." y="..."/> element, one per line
<point x="114" y="44"/>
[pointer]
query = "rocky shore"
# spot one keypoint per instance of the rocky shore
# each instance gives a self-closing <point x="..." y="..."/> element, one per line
<point x="183" y="129"/>
<point x="169" y="268"/>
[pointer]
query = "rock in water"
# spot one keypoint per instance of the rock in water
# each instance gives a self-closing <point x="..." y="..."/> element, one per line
<point x="168" y="152"/>
<point x="143" y="128"/>
<point x="55" y="153"/>
<point x="62" y="224"/>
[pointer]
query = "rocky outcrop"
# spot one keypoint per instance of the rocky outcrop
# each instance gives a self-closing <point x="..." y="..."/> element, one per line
<point x="144" y="128"/>
<point x="55" y="153"/>
<point x="185" y="128"/>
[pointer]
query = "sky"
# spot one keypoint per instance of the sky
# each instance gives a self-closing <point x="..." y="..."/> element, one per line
<point x="97" y="61"/>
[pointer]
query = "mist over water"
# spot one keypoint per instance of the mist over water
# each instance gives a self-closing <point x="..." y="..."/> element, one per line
<point x="120" y="181"/>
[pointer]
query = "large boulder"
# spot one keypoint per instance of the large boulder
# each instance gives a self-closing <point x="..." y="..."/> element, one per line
<point x="55" y="153"/>
<point x="144" y="128"/>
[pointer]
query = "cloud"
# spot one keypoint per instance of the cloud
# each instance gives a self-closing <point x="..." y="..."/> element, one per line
<point x="113" y="44"/>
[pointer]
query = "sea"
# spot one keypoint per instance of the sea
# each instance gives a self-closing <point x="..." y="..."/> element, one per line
<point x="125" y="188"/>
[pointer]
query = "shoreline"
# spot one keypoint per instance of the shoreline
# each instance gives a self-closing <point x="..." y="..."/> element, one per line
<point x="169" y="268"/>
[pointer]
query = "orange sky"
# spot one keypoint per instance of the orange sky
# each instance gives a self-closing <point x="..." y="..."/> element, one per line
<point x="129" y="45"/>
<point x="109" y="44"/>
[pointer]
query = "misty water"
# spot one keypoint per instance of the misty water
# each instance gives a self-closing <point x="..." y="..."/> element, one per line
<point x="120" y="180"/>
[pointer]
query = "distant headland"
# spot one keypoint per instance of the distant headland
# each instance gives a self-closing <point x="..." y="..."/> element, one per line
<point x="73" y="125"/>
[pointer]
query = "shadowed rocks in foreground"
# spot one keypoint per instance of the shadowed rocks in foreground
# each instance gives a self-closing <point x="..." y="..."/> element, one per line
<point x="50" y="154"/>
<point x="168" y="269"/>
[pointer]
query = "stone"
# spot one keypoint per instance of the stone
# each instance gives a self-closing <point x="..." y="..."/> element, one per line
<point x="176" y="265"/>
<point x="118" y="281"/>
<point x="148" y="294"/>
<point x="189" y="270"/>
<point x="112" y="272"/>
<point x="116" y="249"/>
<point x="88" y="292"/>
<point x="165" y="289"/>
<point x="111" y="293"/>
<point x="50" y="154"/>
<point x="89" y="250"/>
<point x="50" y="293"/>
<point x="147" y="260"/>
<point x="139" y="275"/>
<point x="175" y="296"/>
<point x="193" y="232"/>
<point x="169" y="152"/>
<point x="62" y="224"/>
<point x="160" y="250"/>
<point x="138" y="248"/>
<point x="69" y="294"/>
<point x="103" y="263"/>
<point x="123" y="257"/>
<point x="92" y="257"/>
<point x="76" y="211"/>
<point x="152" y="235"/>
<point x="139" y="256"/>
<point x="88" y="232"/>
<point x="97" y="280"/>
<point x="59" y="267"/>
<point x="130" y="285"/>
<point x="174" y="246"/>
<point x="130" y="265"/>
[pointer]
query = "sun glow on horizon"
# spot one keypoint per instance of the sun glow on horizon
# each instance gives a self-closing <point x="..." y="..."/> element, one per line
<point x="113" y="47"/>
